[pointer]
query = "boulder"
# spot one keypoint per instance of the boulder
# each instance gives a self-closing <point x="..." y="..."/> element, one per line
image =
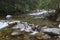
<point x="52" y="31"/>
<point x="9" y="16"/>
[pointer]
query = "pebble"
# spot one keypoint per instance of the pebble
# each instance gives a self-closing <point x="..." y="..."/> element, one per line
<point x="15" y="33"/>
<point x="45" y="37"/>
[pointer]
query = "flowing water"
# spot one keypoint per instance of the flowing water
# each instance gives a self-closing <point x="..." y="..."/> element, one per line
<point x="30" y="17"/>
<point x="37" y="18"/>
<point x="3" y="24"/>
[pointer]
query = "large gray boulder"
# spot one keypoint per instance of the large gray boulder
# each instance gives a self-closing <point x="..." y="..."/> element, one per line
<point x="52" y="31"/>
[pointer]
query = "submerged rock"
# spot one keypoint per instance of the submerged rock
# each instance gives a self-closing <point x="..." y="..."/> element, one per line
<point x="21" y="27"/>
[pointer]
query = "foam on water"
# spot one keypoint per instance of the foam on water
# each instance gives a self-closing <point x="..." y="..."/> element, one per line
<point x="39" y="13"/>
<point x="34" y="32"/>
<point x="3" y="24"/>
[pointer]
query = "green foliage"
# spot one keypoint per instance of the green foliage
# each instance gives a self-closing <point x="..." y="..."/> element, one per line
<point x="44" y="4"/>
<point x="49" y="4"/>
<point x="21" y="5"/>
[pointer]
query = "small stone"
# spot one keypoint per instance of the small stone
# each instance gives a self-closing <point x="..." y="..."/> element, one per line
<point x="45" y="37"/>
<point x="15" y="33"/>
<point x="9" y="16"/>
<point x="6" y="36"/>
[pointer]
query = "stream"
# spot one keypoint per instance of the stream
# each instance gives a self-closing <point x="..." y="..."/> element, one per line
<point x="34" y="18"/>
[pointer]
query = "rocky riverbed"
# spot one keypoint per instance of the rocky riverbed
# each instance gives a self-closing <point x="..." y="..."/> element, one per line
<point x="16" y="34"/>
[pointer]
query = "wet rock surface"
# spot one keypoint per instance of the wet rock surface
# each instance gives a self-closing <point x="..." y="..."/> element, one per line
<point x="52" y="31"/>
